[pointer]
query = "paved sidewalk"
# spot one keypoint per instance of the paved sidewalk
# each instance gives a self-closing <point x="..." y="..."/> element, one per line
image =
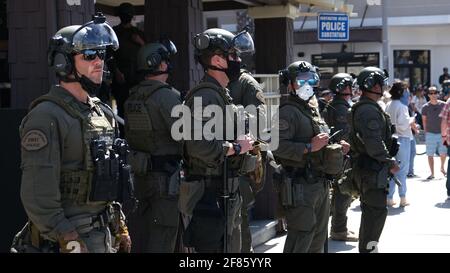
<point x="424" y="226"/>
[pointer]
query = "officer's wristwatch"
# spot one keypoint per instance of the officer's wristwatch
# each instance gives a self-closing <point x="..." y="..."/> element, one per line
<point x="308" y="147"/>
<point x="237" y="148"/>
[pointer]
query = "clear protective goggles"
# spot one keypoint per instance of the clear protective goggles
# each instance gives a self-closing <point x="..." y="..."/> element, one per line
<point x="243" y="42"/>
<point x="170" y="46"/>
<point x="94" y="36"/>
<point x="311" y="78"/>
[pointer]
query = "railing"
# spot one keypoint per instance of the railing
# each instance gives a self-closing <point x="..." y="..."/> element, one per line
<point x="270" y="86"/>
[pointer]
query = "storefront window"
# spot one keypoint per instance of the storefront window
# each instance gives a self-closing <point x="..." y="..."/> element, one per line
<point x="333" y="63"/>
<point x="412" y="66"/>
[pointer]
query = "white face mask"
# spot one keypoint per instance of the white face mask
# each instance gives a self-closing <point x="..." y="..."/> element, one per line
<point x="305" y="92"/>
<point x="350" y="102"/>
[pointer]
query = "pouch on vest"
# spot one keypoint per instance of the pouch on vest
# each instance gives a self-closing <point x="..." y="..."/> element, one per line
<point x="105" y="181"/>
<point x="347" y="184"/>
<point x="286" y="192"/>
<point x="190" y="193"/>
<point x="333" y="159"/>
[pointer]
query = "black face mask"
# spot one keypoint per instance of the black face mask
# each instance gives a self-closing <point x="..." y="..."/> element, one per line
<point x="89" y="86"/>
<point x="234" y="70"/>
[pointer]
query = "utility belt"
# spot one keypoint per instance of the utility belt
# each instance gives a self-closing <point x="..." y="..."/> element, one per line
<point x="305" y="175"/>
<point x="193" y="188"/>
<point x="237" y="166"/>
<point x="86" y="224"/>
<point x="31" y="240"/>
<point x="162" y="163"/>
<point x="290" y="183"/>
<point x="216" y="183"/>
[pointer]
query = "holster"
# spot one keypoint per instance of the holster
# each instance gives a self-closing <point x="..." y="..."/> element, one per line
<point x="29" y="240"/>
<point x="190" y="193"/>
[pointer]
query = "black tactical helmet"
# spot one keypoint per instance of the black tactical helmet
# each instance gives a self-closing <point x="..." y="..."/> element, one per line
<point x="300" y="71"/>
<point x="370" y="76"/>
<point x="125" y="9"/>
<point x="150" y="56"/>
<point x="216" y="38"/>
<point x="339" y="81"/>
<point x="94" y="35"/>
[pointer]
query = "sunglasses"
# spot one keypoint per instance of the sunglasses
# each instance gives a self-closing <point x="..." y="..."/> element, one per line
<point x="311" y="82"/>
<point x="432" y="93"/>
<point x="90" y="55"/>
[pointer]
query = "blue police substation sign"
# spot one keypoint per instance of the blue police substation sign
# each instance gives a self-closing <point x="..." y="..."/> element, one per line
<point x="332" y="27"/>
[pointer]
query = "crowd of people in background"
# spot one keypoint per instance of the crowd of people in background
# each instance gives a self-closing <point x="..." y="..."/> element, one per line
<point x="416" y="111"/>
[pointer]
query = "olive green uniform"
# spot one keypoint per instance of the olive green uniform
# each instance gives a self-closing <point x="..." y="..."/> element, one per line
<point x="370" y="139"/>
<point x="155" y="161"/>
<point x="246" y="91"/>
<point x="204" y="165"/>
<point x="307" y="214"/>
<point x="335" y="115"/>
<point x="57" y="167"/>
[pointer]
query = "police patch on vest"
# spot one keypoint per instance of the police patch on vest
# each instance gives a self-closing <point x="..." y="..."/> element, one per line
<point x="34" y="140"/>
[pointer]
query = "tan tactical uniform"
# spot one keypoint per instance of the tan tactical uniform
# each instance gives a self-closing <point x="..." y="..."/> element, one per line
<point x="57" y="169"/>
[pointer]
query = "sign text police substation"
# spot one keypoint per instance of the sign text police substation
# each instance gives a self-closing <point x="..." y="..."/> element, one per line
<point x="332" y="27"/>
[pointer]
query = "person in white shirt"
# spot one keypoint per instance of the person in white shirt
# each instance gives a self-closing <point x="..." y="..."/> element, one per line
<point x="403" y="122"/>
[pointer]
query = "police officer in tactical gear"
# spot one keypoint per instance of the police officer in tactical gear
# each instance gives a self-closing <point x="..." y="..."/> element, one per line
<point x="335" y="115"/>
<point x="71" y="167"/>
<point x="245" y="91"/>
<point x="372" y="150"/>
<point x="210" y="193"/>
<point x="155" y="155"/>
<point x="303" y="185"/>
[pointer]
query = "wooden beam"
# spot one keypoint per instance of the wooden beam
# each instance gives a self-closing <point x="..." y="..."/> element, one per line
<point x="223" y="5"/>
<point x="111" y="10"/>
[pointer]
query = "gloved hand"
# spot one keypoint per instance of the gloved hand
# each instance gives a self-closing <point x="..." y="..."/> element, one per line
<point x="71" y="243"/>
<point x="122" y="239"/>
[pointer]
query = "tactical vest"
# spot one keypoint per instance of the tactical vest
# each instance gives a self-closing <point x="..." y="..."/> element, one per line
<point x="76" y="186"/>
<point x="318" y="126"/>
<point x="328" y="112"/>
<point x="356" y="141"/>
<point x="139" y="131"/>
<point x="196" y="166"/>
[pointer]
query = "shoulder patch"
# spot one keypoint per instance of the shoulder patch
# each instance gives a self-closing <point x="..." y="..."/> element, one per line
<point x="34" y="140"/>
<point x="373" y="124"/>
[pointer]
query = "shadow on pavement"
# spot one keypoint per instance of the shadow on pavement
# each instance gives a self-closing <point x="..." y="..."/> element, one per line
<point x="335" y="246"/>
<point x="395" y="211"/>
<point x="262" y="248"/>
<point x="443" y="205"/>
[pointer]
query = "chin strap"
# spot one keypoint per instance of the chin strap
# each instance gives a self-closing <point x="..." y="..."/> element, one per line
<point x="369" y="91"/>
<point x="88" y="85"/>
